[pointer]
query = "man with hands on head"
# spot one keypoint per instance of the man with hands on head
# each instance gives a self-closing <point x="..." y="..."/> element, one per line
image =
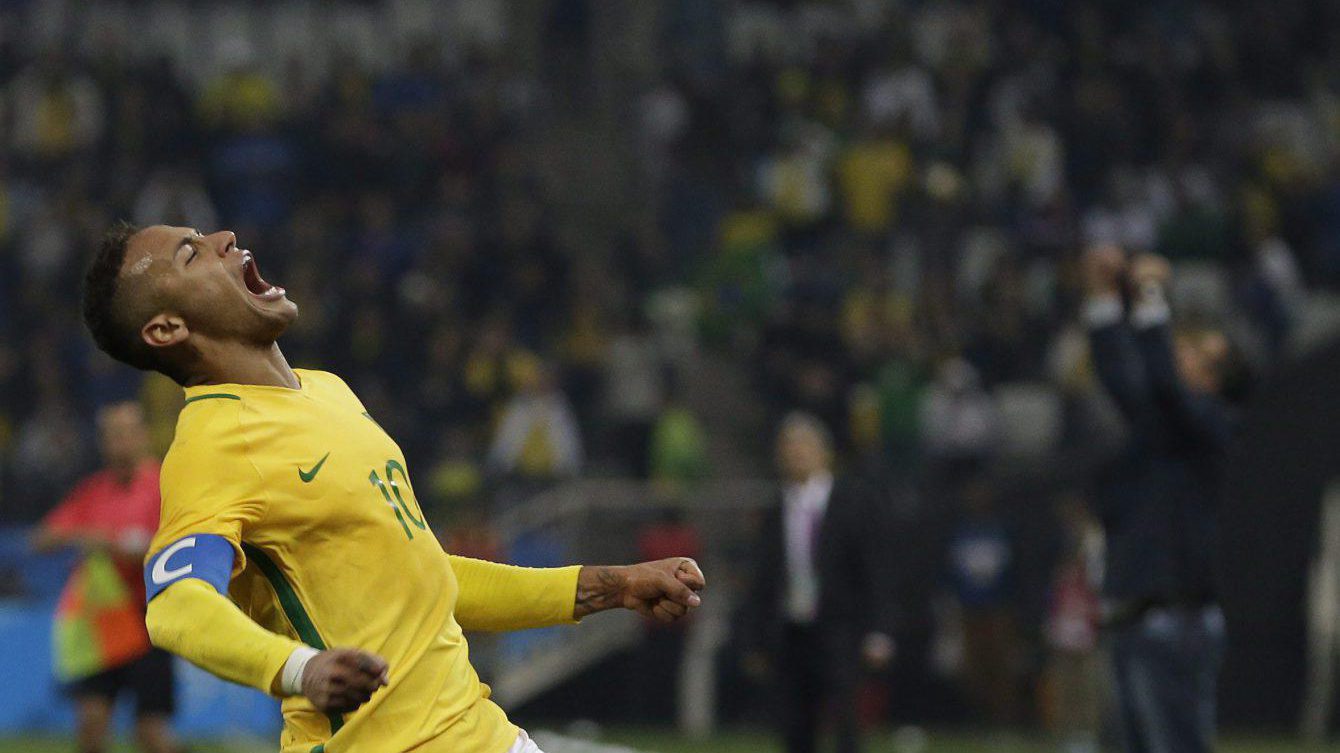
<point x="291" y="553"/>
<point x="1158" y="503"/>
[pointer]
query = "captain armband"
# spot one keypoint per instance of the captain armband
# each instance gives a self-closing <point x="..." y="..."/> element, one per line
<point x="202" y="556"/>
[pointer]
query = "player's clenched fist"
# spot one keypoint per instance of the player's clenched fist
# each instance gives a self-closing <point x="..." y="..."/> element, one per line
<point x="340" y="680"/>
<point x="663" y="590"/>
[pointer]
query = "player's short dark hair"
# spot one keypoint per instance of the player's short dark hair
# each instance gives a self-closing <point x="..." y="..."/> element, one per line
<point x="107" y="313"/>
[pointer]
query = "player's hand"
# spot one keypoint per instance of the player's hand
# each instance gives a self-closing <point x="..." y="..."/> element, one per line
<point x="1103" y="268"/>
<point x="877" y="650"/>
<point x="663" y="590"/>
<point x="339" y="680"/>
<point x="1150" y="269"/>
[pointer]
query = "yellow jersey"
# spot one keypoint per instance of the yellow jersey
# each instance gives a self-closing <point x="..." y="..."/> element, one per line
<point x="332" y="549"/>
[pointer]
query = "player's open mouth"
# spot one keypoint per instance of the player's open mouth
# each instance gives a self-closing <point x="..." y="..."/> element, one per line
<point x="256" y="285"/>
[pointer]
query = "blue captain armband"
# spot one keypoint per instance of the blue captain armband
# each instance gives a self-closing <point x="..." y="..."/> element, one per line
<point x="203" y="556"/>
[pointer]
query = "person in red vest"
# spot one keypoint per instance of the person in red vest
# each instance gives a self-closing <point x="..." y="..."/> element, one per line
<point x="101" y="647"/>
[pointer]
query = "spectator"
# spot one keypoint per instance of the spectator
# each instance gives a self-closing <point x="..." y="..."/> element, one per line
<point x="821" y="604"/>
<point x="456" y="481"/>
<point x="634" y="394"/>
<point x="982" y="564"/>
<point x="537" y="438"/>
<point x="1074" y="672"/>
<point x="958" y="418"/>
<point x="58" y="110"/>
<point x="678" y="448"/>
<point x="874" y="172"/>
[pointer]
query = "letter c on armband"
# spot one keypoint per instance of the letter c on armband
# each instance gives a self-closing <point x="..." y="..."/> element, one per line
<point x="203" y="556"/>
<point x="160" y="574"/>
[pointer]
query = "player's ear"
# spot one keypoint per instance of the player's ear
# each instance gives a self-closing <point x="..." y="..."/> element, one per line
<point x="164" y="331"/>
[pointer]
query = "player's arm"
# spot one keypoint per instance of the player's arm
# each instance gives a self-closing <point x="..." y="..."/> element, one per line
<point x="1178" y="406"/>
<point x="663" y="590"/>
<point x="1198" y="415"/>
<point x="190" y="616"/>
<point x="1116" y="360"/>
<point x="496" y="597"/>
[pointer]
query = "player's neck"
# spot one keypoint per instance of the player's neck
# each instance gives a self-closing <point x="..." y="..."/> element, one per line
<point x="236" y="363"/>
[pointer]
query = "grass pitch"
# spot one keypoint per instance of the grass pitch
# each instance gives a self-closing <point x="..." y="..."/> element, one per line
<point x="662" y="741"/>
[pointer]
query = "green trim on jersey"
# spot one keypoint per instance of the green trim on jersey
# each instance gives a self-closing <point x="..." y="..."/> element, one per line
<point x="373" y="420"/>
<point x="212" y="395"/>
<point x="293" y="610"/>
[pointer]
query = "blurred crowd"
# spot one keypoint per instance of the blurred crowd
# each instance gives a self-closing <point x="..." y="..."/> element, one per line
<point x="399" y="206"/>
<point x="873" y="210"/>
<point x="890" y="198"/>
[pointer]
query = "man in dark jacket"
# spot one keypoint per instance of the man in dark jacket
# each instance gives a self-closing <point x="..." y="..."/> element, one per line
<point x="1159" y="503"/>
<point x="822" y="600"/>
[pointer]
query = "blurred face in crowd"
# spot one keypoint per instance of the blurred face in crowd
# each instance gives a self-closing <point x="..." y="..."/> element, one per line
<point x="1200" y="359"/>
<point x="123" y="435"/>
<point x="202" y="286"/>
<point x="801" y="452"/>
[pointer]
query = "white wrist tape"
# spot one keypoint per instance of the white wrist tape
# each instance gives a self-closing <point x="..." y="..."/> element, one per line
<point x="290" y="680"/>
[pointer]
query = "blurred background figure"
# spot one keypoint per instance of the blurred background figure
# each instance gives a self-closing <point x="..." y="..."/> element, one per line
<point x="1074" y="682"/>
<point x="822" y="602"/>
<point x="662" y="652"/>
<point x="1160" y="502"/>
<point x="100" y="644"/>
<point x="538" y="438"/>
<point x="983" y="560"/>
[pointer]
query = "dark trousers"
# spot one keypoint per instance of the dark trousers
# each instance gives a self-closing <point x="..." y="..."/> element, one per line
<point x="1166" y="667"/>
<point x="818" y="671"/>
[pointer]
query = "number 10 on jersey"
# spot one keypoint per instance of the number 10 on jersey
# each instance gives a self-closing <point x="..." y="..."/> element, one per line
<point x="390" y="488"/>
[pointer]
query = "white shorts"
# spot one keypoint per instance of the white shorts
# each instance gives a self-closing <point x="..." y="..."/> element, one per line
<point x="524" y="744"/>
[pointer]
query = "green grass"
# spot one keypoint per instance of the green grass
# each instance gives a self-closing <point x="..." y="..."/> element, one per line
<point x="660" y="741"/>
<point x="939" y="742"/>
<point x="66" y="745"/>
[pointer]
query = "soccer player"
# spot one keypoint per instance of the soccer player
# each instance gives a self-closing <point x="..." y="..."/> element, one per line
<point x="292" y="555"/>
<point x="100" y="645"/>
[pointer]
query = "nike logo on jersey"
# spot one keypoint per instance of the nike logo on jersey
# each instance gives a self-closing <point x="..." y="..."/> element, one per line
<point x="307" y="476"/>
